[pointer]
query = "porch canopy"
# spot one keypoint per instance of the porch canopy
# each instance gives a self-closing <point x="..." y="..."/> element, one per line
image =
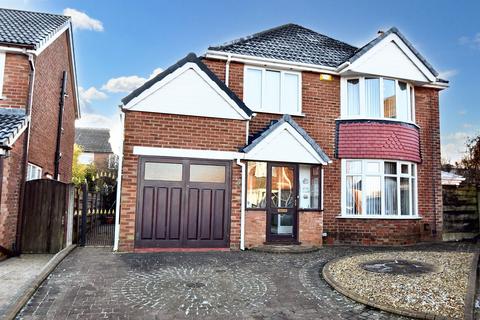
<point x="285" y="141"/>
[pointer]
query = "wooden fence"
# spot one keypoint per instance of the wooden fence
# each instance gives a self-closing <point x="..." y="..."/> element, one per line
<point x="47" y="211"/>
<point x="461" y="212"/>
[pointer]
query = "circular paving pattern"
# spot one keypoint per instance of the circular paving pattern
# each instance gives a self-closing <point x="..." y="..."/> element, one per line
<point x="397" y="266"/>
<point x="195" y="289"/>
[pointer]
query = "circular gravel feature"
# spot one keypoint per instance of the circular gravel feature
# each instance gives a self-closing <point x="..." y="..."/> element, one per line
<point x="391" y="281"/>
<point x="398" y="266"/>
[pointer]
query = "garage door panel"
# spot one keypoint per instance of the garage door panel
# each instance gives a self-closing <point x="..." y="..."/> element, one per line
<point x="205" y="214"/>
<point x="218" y="215"/>
<point x="161" y="213"/>
<point x="193" y="206"/>
<point x="192" y="209"/>
<point x="147" y="212"/>
<point x="175" y="214"/>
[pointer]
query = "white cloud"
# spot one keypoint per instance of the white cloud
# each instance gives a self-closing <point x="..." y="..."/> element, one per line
<point x="81" y="20"/>
<point x="447" y="73"/>
<point x="91" y="94"/>
<point x="454" y="146"/>
<point x="127" y="84"/>
<point x="94" y="120"/>
<point x="471" y="41"/>
<point x="123" y="84"/>
<point x="462" y="112"/>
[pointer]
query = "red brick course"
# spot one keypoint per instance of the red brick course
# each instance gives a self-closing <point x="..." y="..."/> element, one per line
<point x="15" y="81"/>
<point x="50" y="65"/>
<point x="10" y="193"/>
<point x="376" y="140"/>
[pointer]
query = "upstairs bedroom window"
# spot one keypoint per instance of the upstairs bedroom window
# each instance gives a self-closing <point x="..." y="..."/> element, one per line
<point x="381" y="98"/>
<point x="272" y="91"/>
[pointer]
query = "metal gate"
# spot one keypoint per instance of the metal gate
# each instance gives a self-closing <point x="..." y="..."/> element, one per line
<point x="94" y="217"/>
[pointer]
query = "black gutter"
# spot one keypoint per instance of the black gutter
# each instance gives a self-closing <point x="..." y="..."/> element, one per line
<point x="58" y="154"/>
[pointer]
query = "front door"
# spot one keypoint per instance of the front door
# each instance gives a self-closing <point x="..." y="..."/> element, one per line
<point x="281" y="203"/>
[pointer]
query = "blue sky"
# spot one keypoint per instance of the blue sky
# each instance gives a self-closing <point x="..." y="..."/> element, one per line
<point x="119" y="44"/>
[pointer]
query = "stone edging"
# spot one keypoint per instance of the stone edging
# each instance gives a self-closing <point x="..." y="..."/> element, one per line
<point x="352" y="295"/>
<point x="280" y="251"/>
<point x="18" y="304"/>
<point x="471" y="289"/>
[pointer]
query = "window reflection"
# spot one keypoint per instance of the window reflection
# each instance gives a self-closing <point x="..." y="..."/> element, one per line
<point x="256" y="184"/>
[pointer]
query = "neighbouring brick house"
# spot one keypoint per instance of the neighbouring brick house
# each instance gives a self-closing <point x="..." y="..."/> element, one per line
<point x="285" y="136"/>
<point x="96" y="148"/>
<point x="36" y="55"/>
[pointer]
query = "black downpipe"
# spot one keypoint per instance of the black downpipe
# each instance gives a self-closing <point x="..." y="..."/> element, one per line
<point x="58" y="154"/>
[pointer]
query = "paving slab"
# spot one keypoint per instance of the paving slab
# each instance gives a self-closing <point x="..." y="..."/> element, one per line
<point x="94" y="283"/>
<point x="16" y="275"/>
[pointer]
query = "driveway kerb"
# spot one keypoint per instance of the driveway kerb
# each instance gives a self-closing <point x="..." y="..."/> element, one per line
<point x="18" y="304"/>
<point x="352" y="295"/>
<point x="471" y="289"/>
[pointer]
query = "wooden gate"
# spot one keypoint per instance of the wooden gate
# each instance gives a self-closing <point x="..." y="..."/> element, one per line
<point x="46" y="205"/>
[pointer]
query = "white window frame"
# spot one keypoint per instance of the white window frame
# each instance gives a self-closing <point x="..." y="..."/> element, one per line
<point x="413" y="180"/>
<point x="344" y="99"/>
<point x="282" y="75"/>
<point x="84" y="155"/>
<point x="3" y="57"/>
<point x="34" y="172"/>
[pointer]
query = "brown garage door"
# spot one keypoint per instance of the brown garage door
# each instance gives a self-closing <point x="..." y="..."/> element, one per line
<point x="183" y="203"/>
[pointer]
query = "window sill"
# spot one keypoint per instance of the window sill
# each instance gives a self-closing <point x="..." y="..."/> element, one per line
<point x="377" y="119"/>
<point x="380" y="217"/>
<point x="280" y="113"/>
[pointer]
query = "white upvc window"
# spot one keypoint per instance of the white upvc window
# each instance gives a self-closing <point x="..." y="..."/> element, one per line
<point x="272" y="91"/>
<point x="2" y="71"/>
<point x="33" y="172"/>
<point x="379" y="188"/>
<point x="86" y="158"/>
<point x="377" y="98"/>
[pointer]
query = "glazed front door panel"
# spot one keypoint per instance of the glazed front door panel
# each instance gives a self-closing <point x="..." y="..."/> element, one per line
<point x="180" y="212"/>
<point x="282" y="213"/>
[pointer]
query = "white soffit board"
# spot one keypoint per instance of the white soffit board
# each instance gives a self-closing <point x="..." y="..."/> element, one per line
<point x="187" y="91"/>
<point x="284" y="144"/>
<point x="392" y="58"/>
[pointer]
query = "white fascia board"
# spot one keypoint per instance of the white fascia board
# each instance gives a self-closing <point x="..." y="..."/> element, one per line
<point x="187" y="153"/>
<point x="269" y="62"/>
<point x="190" y="65"/>
<point x="404" y="48"/>
<point x="256" y="152"/>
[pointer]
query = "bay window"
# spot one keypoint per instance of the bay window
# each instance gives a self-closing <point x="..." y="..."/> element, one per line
<point x="377" y="97"/>
<point x="275" y="91"/>
<point x="375" y="188"/>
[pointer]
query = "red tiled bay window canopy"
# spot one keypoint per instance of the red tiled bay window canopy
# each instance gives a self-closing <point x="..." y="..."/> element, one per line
<point x="377" y="139"/>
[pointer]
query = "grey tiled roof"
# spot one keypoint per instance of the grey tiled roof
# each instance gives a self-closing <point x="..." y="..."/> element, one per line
<point x="30" y="29"/>
<point x="291" y="42"/>
<point x="93" y="139"/>
<point x="12" y="121"/>
<point x="287" y="118"/>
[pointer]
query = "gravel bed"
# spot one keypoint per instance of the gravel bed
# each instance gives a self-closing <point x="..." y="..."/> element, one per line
<point x="440" y="292"/>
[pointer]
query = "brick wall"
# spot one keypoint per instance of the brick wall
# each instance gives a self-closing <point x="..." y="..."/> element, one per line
<point x="10" y="193"/>
<point x="176" y="131"/>
<point x="321" y="106"/>
<point x="310" y="228"/>
<point x="15" y="81"/>
<point x="255" y="226"/>
<point x="50" y="65"/>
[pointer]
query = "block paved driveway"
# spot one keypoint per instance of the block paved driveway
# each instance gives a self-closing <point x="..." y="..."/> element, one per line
<point x="94" y="283"/>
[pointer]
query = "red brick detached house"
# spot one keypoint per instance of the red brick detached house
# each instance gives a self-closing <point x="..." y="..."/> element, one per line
<point x="36" y="56"/>
<point x="285" y="136"/>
